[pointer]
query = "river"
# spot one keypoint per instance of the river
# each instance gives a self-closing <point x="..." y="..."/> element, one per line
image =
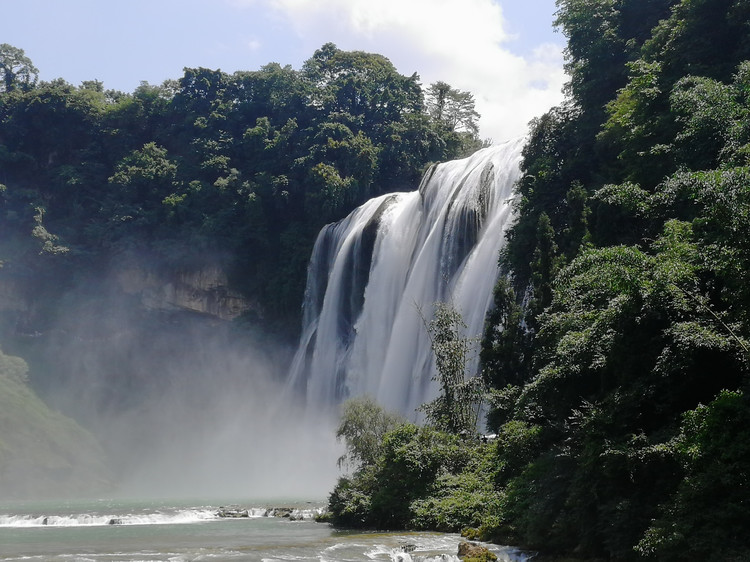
<point x="191" y="531"/>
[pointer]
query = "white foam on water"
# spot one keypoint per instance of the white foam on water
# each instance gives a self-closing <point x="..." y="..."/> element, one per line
<point x="87" y="519"/>
<point x="180" y="517"/>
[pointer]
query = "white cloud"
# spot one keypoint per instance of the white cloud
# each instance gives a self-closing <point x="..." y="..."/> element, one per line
<point x="462" y="42"/>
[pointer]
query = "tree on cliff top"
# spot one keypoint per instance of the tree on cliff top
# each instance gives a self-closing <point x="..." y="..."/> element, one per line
<point x="454" y="108"/>
<point x="16" y="68"/>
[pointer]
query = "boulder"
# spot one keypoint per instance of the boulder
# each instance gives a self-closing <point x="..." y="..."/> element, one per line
<point x="472" y="552"/>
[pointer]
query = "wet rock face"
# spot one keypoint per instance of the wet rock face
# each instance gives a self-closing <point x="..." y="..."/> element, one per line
<point x="205" y="291"/>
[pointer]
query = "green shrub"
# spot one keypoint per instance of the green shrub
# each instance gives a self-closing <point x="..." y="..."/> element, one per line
<point x="465" y="497"/>
<point x="455" y="502"/>
<point x="471" y="533"/>
<point x="349" y="504"/>
<point x="424" y="479"/>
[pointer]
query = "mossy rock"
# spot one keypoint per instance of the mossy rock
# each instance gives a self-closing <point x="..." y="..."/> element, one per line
<point x="471" y="552"/>
<point x="471" y="533"/>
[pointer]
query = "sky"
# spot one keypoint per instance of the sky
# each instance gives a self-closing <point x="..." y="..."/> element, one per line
<point x="505" y="52"/>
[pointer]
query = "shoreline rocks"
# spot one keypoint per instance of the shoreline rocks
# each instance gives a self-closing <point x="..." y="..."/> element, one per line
<point x="290" y="513"/>
<point x="232" y="512"/>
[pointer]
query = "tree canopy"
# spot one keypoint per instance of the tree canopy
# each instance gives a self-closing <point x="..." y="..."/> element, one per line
<point x="622" y="321"/>
<point x="16" y="69"/>
<point x="245" y="168"/>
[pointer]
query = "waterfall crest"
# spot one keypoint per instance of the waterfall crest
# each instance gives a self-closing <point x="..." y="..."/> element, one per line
<point x="372" y="273"/>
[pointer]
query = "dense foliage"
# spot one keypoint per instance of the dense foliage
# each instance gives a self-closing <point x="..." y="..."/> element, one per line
<point x="419" y="478"/>
<point x="618" y="349"/>
<point x="241" y="170"/>
<point x="629" y="365"/>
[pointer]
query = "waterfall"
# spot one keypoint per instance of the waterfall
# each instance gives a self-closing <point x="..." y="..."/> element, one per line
<point x="375" y="274"/>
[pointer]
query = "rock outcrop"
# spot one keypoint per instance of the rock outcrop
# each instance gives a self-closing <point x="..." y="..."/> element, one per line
<point x="204" y="291"/>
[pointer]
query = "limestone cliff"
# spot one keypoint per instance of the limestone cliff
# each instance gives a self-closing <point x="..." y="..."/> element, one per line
<point x="203" y="291"/>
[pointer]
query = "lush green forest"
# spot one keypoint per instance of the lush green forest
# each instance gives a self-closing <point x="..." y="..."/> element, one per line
<point x="239" y="170"/>
<point x="615" y="360"/>
<point x="616" y="356"/>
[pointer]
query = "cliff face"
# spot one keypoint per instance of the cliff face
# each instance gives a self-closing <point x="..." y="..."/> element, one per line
<point x="102" y="344"/>
<point x="204" y="291"/>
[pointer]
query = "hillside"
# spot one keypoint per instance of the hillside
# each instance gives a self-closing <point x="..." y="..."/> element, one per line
<point x="42" y="452"/>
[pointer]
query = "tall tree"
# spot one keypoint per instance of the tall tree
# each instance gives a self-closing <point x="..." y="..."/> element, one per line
<point x="16" y="69"/>
<point x="456" y="409"/>
<point x="364" y="86"/>
<point x="455" y="109"/>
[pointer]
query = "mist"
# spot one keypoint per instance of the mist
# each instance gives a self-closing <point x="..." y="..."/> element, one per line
<point x="223" y="426"/>
<point x="183" y="404"/>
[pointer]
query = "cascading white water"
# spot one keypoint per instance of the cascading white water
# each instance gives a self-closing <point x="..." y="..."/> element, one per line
<point x="375" y="274"/>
